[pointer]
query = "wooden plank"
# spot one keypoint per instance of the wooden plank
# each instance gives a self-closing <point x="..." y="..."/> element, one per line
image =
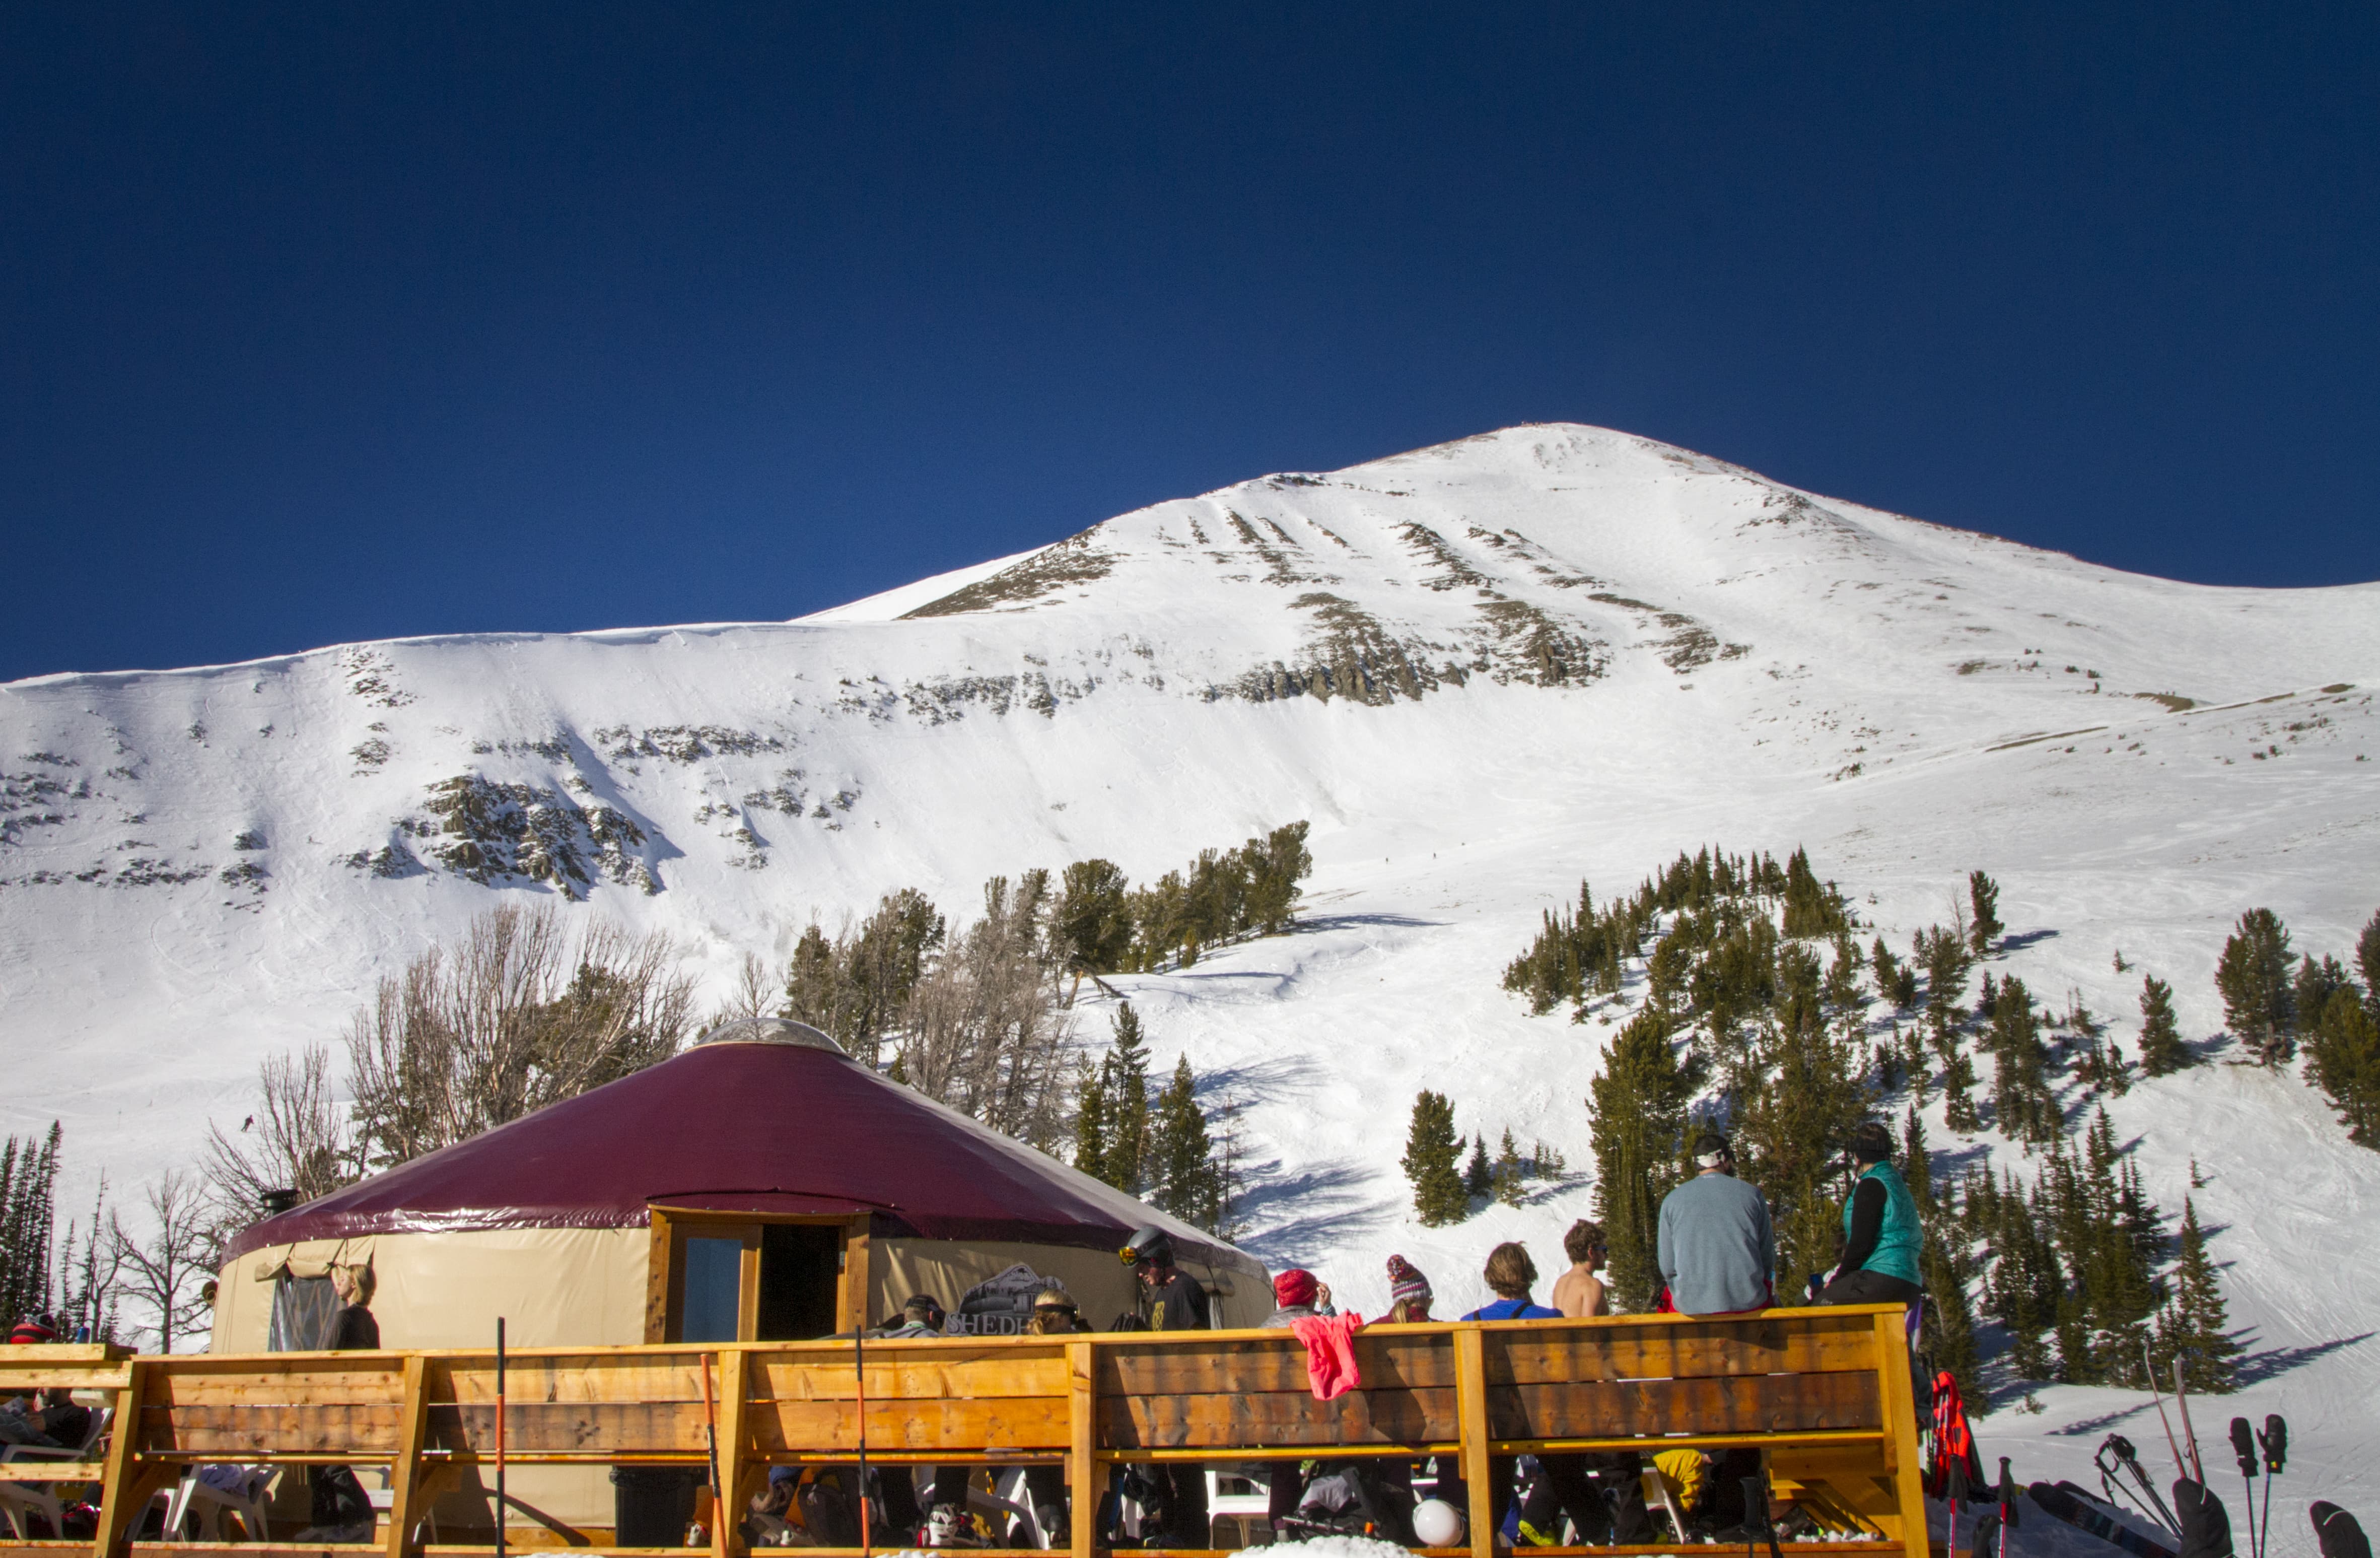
<point x="734" y="1385"/>
<point x="63" y="1377"/>
<point x="382" y="1386"/>
<point x="405" y="1471"/>
<point x="1017" y="1423"/>
<point x="587" y="1377"/>
<point x="1278" y="1363"/>
<point x="1689" y="1350"/>
<point x="1083" y="1477"/>
<point x="569" y="1427"/>
<point x="1364" y="1416"/>
<point x="951" y="1371"/>
<point x="1615" y="1409"/>
<point x="657" y="1278"/>
<point x="230" y="1432"/>
<point x="1730" y="1404"/>
<point x="1542" y="1353"/>
<point x="1471" y="1408"/>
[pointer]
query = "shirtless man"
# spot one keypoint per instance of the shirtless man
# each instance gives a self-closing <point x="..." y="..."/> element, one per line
<point x="1578" y="1293"/>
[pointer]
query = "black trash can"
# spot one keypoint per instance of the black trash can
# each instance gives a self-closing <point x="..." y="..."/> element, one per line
<point x="653" y="1505"/>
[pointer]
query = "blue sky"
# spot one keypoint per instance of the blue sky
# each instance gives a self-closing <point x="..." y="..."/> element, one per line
<point x="327" y="322"/>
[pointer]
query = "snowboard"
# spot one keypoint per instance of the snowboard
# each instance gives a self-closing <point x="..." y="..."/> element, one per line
<point x="2084" y="1516"/>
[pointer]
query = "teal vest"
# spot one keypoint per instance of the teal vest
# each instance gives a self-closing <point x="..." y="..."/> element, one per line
<point x="1897" y="1243"/>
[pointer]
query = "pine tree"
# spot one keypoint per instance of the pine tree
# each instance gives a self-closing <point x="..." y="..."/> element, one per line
<point x="2318" y="978"/>
<point x="29" y="1178"/>
<point x="1811" y="908"/>
<point x="1093" y="925"/>
<point x="2344" y="1062"/>
<point x="1091" y="1118"/>
<point x="2162" y="1049"/>
<point x="2025" y="1285"/>
<point x="2022" y="1103"/>
<point x="2195" y="1325"/>
<point x="1789" y="1128"/>
<point x="1949" y="1336"/>
<point x="2367" y="963"/>
<point x="2253" y="978"/>
<point x="1506" y="1175"/>
<point x="1185" y="1179"/>
<point x="1431" y="1147"/>
<point x="1920" y="1160"/>
<point x="1984" y="897"/>
<point x="1637" y="1114"/>
<point x="1478" y="1175"/>
<point x="1958" y="1079"/>
<point x="1890" y="974"/>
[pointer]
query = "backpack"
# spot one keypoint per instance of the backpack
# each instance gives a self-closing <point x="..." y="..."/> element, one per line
<point x="1954" y="1445"/>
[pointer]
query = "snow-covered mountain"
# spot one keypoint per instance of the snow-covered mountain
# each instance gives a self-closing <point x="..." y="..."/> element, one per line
<point x="1481" y="671"/>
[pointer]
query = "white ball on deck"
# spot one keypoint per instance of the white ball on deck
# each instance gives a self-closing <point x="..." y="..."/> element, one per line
<point x="1435" y="1524"/>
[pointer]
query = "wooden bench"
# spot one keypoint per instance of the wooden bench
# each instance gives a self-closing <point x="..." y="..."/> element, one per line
<point x="1823" y="1393"/>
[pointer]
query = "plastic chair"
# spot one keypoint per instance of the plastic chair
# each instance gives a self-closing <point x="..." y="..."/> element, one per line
<point x="251" y="1501"/>
<point x="19" y="1499"/>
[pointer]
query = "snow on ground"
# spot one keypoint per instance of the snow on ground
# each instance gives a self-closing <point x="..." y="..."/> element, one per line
<point x="1549" y="653"/>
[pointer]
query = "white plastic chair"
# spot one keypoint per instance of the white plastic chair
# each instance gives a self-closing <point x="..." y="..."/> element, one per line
<point x="19" y="1499"/>
<point x="251" y="1501"/>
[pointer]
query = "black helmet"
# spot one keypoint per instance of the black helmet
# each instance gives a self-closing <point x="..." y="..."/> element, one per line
<point x="1151" y="1245"/>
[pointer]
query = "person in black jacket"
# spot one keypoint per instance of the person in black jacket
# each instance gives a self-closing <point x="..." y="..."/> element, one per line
<point x="1176" y="1302"/>
<point x="341" y="1512"/>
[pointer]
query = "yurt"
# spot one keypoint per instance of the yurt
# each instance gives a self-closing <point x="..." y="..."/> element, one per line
<point x="759" y="1185"/>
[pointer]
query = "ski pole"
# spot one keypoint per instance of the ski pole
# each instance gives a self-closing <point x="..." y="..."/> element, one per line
<point x="710" y="1441"/>
<point x="2243" y="1449"/>
<point x="1958" y="1491"/>
<point x="2008" y="1505"/>
<point x="2181" y="1466"/>
<point x="501" y="1505"/>
<point x="2127" y="1459"/>
<point x="2275" y="1443"/>
<point x="859" y="1386"/>
<point x="2181" y="1400"/>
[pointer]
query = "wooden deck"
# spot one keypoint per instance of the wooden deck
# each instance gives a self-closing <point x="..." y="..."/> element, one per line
<point x="1823" y="1392"/>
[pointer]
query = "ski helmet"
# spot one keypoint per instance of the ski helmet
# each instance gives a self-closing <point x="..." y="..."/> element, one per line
<point x="1150" y="1245"/>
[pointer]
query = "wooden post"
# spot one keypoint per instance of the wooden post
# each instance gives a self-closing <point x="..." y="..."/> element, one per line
<point x="657" y="1278"/>
<point x="122" y="1492"/>
<point x="1082" y="1444"/>
<point x="405" y="1472"/>
<point x="1900" y="1431"/>
<point x="734" y="1386"/>
<point x="1471" y="1418"/>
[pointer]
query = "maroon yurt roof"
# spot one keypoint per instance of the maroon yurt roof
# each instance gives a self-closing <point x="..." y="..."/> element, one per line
<point x="763" y="1116"/>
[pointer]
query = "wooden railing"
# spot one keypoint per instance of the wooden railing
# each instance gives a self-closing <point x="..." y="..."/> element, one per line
<point x="1825" y="1393"/>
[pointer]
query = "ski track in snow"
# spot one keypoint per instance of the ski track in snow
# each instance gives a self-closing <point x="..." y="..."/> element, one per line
<point x="1901" y="705"/>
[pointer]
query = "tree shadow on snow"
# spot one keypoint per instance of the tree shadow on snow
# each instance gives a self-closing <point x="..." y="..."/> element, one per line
<point x="2104" y="1421"/>
<point x="2023" y="939"/>
<point x="1322" y="923"/>
<point x="2257" y="1368"/>
<point x="1318" y="1209"/>
<point x="1259" y="1081"/>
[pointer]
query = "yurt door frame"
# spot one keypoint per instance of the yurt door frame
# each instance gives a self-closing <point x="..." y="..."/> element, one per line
<point x="702" y="1262"/>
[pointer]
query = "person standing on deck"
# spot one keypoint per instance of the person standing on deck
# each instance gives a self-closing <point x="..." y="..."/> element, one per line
<point x="1176" y="1302"/>
<point x="341" y="1512"/>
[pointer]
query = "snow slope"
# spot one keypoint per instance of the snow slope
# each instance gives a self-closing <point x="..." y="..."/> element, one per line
<point x="1481" y="671"/>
